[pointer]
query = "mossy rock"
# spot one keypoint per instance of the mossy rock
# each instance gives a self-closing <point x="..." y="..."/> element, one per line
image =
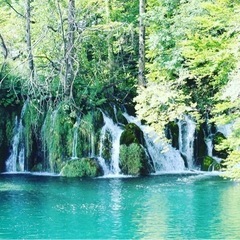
<point x="133" y="160"/>
<point x="210" y="164"/>
<point x="131" y="134"/>
<point x="84" y="167"/>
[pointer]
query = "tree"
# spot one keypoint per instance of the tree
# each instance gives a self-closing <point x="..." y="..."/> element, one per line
<point x="4" y="51"/>
<point x="141" y="70"/>
<point x="29" y="42"/>
<point x="70" y="50"/>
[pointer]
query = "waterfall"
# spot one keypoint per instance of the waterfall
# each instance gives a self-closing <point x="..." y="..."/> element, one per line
<point x="16" y="160"/>
<point x="209" y="136"/>
<point x="44" y="144"/>
<point x="163" y="155"/>
<point x="11" y="163"/>
<point x="92" y="143"/>
<point x="115" y="132"/>
<point x="75" y="138"/>
<point x="187" y="129"/>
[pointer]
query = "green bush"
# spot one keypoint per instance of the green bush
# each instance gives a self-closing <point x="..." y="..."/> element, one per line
<point x="85" y="167"/>
<point x="132" y="159"/>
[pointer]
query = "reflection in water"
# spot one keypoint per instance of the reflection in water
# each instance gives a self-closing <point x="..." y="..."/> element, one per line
<point x="152" y="219"/>
<point x="159" y="207"/>
<point x="230" y="212"/>
<point x="116" y="205"/>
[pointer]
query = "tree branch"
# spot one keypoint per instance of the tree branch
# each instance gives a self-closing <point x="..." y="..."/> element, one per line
<point x="52" y="63"/>
<point x="16" y="11"/>
<point x="4" y="47"/>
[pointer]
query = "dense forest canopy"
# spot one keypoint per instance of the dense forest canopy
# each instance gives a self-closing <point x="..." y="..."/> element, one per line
<point x="86" y="54"/>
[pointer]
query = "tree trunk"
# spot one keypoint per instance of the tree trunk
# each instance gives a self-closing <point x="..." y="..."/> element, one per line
<point x="4" y="51"/>
<point x="141" y="68"/>
<point x="109" y="41"/>
<point x="69" y="52"/>
<point x="29" y="41"/>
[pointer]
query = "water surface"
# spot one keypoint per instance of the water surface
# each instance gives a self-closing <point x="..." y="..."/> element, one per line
<point x="180" y="206"/>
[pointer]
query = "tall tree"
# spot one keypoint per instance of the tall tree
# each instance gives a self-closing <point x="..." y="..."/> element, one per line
<point x="29" y="41"/>
<point x="70" y="50"/>
<point x="141" y="69"/>
<point x="4" y="51"/>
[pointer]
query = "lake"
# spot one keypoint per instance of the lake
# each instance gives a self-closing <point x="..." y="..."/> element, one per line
<point x="176" y="206"/>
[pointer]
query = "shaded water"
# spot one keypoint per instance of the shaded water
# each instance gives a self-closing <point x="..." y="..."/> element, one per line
<point x="158" y="207"/>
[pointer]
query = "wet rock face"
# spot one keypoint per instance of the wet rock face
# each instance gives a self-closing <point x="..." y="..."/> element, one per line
<point x="131" y="134"/>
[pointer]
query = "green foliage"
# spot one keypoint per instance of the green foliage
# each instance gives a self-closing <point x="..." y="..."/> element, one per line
<point x="133" y="160"/>
<point x="84" y="167"/>
<point x="233" y="165"/>
<point x="57" y="135"/>
<point x="89" y="131"/>
<point x="217" y="142"/>
<point x="32" y="121"/>
<point x="159" y="104"/>
<point x="192" y="67"/>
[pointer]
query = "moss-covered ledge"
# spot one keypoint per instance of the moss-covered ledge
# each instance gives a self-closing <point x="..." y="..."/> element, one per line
<point x="83" y="167"/>
<point x="210" y="164"/>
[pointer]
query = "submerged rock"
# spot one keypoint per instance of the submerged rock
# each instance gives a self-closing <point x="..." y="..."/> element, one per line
<point x="84" y="167"/>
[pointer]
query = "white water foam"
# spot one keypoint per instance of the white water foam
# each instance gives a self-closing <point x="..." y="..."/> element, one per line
<point x="187" y="129"/>
<point x="115" y="131"/>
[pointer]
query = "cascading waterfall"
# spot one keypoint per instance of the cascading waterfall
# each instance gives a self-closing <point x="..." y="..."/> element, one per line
<point x="11" y="163"/>
<point x="163" y="155"/>
<point x="115" y="131"/>
<point x="44" y="144"/>
<point x="75" y="138"/>
<point x="101" y="160"/>
<point x="208" y="138"/>
<point x="186" y="139"/>
<point x="16" y="160"/>
<point x="92" y="143"/>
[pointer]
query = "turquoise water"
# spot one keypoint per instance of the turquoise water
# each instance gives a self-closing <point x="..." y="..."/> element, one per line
<point x="157" y="207"/>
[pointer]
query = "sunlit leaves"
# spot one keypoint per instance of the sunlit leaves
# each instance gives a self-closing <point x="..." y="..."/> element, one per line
<point x="159" y="104"/>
